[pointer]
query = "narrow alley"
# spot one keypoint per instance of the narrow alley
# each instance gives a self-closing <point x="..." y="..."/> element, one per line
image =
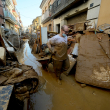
<point x="54" y="55"/>
<point x="68" y="96"/>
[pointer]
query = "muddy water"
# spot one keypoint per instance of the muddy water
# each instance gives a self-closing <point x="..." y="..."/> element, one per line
<point x="68" y="96"/>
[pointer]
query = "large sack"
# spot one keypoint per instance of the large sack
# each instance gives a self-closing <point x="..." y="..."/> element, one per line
<point x="93" y="63"/>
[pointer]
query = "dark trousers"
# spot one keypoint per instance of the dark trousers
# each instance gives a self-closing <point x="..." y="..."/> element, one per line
<point x="60" y="66"/>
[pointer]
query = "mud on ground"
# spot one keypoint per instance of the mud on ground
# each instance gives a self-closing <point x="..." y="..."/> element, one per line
<point x="68" y="96"/>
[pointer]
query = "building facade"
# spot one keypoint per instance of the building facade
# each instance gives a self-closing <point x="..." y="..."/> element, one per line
<point x="104" y="13"/>
<point x="46" y="20"/>
<point x="12" y="16"/>
<point x="36" y="23"/>
<point x="65" y="12"/>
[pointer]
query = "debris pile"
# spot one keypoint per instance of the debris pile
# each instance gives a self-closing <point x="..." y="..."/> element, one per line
<point x="32" y="39"/>
<point x="86" y="46"/>
<point x="51" y="34"/>
<point x="22" y="77"/>
<point x="12" y="37"/>
<point x="93" y="62"/>
<point x="25" y="36"/>
<point x="90" y="47"/>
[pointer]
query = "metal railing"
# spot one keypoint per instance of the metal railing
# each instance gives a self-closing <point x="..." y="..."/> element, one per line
<point x="46" y="15"/>
<point x="7" y="14"/>
<point x="59" y="5"/>
<point x="9" y="2"/>
<point x="17" y="23"/>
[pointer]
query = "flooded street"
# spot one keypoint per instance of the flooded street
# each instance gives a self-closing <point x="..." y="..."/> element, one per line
<point x="68" y="96"/>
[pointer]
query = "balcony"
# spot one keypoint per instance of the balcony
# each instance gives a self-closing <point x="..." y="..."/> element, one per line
<point x="14" y="2"/>
<point x="9" y="2"/>
<point x="15" y="12"/>
<point x="61" y="6"/>
<point x="46" y="16"/>
<point x="9" y="17"/>
<point x="17" y="24"/>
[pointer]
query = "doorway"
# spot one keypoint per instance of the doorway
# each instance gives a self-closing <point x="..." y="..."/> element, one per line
<point x="50" y="27"/>
<point x="58" y="28"/>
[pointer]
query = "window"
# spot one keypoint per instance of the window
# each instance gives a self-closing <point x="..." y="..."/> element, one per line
<point x="50" y="26"/>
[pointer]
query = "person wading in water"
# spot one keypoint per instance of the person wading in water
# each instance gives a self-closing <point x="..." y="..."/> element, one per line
<point x="58" y="48"/>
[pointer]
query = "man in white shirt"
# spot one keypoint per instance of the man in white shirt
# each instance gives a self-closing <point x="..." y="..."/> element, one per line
<point x="58" y="48"/>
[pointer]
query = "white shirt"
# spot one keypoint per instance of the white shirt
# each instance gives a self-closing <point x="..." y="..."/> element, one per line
<point x="58" y="39"/>
<point x="59" y="45"/>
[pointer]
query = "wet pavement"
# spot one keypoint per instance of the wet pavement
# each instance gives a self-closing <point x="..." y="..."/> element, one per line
<point x="68" y="96"/>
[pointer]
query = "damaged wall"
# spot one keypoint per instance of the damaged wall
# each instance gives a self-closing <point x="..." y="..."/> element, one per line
<point x="87" y="11"/>
<point x="104" y="14"/>
<point x="78" y="18"/>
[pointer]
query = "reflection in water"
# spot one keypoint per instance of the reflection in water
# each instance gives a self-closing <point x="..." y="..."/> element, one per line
<point x="26" y="57"/>
<point x="37" y="104"/>
<point x="68" y="96"/>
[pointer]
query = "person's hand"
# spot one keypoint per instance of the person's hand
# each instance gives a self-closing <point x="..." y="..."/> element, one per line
<point x="71" y="40"/>
<point x="52" y="51"/>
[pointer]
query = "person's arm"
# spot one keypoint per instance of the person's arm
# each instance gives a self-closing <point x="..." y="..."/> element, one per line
<point x="50" y="43"/>
<point x="71" y="40"/>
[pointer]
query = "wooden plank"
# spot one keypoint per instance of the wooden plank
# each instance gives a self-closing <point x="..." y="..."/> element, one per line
<point x="12" y="45"/>
<point x="52" y="32"/>
<point x="40" y="36"/>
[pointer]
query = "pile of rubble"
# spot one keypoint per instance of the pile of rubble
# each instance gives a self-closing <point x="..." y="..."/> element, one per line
<point x="12" y="38"/>
<point x="23" y="78"/>
<point x="50" y="34"/>
<point x="32" y="39"/>
<point x="90" y="48"/>
<point x="93" y="51"/>
<point x="25" y="35"/>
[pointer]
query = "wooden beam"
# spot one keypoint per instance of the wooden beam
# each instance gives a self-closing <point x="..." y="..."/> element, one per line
<point x="40" y="36"/>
